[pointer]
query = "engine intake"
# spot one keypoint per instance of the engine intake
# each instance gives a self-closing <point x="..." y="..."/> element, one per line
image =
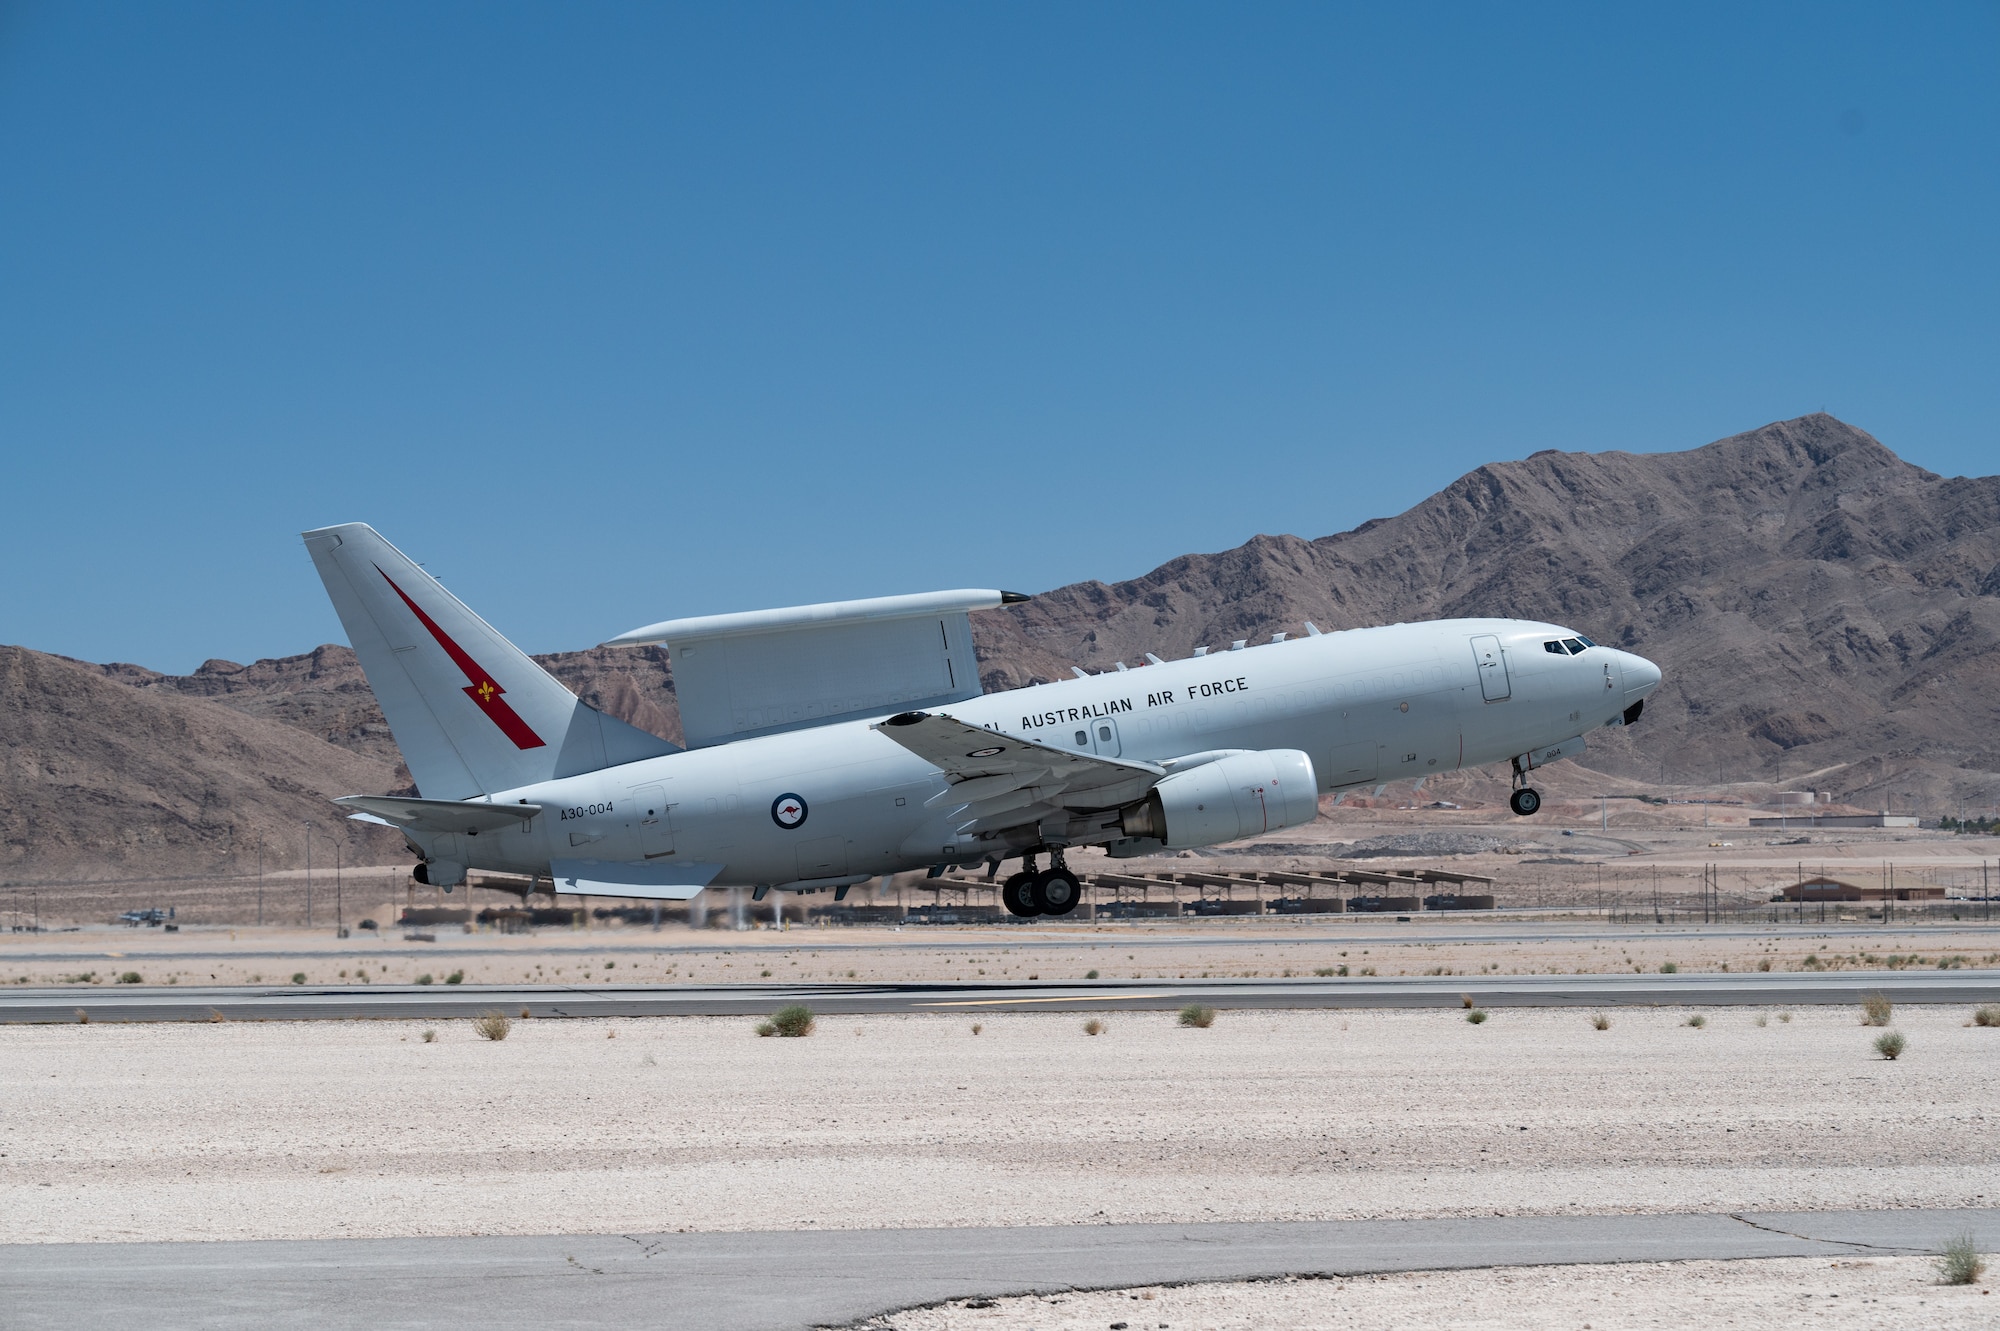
<point x="1245" y="794"/>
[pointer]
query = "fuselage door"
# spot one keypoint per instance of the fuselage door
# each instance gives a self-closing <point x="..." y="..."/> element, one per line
<point x="656" y="824"/>
<point x="1104" y="737"/>
<point x="1493" y="685"/>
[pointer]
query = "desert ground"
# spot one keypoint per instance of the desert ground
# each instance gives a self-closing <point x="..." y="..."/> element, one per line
<point x="278" y="1130"/>
<point x="1753" y="1295"/>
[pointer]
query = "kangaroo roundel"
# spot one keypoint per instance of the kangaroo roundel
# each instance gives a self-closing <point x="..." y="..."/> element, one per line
<point x="788" y="811"/>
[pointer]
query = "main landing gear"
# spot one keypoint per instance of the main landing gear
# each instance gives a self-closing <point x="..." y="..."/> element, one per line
<point x="1052" y="891"/>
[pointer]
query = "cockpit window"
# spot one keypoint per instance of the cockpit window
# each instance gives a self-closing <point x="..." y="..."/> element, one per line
<point x="1575" y="645"/>
<point x="1586" y="642"/>
<point x="1555" y="648"/>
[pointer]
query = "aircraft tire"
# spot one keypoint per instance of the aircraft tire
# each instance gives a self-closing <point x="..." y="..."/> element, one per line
<point x="1017" y="894"/>
<point x="1056" y="892"/>
<point x="1525" y="801"/>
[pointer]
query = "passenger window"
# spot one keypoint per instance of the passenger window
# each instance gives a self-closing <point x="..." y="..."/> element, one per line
<point x="1575" y="646"/>
<point x="1082" y="737"/>
<point x="1104" y="732"/>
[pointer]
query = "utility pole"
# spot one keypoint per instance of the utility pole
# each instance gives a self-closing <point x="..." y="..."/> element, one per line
<point x="309" y="874"/>
<point x="260" y="880"/>
<point x="339" y="920"/>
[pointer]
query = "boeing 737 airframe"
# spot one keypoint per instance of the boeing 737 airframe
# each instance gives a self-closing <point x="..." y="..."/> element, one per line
<point x="829" y="744"/>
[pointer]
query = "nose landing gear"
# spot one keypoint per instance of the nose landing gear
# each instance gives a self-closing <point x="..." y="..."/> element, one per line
<point x="1525" y="801"/>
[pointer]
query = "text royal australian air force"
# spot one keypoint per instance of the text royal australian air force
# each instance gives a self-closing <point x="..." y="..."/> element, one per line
<point x="1214" y="688"/>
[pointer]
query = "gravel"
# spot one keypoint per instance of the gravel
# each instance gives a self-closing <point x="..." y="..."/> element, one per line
<point x="294" y="1130"/>
<point x="1748" y="1295"/>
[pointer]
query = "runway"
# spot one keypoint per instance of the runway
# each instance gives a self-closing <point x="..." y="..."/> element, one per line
<point x="425" y="1002"/>
<point x="794" y="1280"/>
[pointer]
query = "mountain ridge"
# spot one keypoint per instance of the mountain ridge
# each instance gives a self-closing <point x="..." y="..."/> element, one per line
<point x="1823" y="611"/>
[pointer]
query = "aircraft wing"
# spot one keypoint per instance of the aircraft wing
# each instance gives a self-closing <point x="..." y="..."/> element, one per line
<point x="439" y="815"/>
<point x="1001" y="779"/>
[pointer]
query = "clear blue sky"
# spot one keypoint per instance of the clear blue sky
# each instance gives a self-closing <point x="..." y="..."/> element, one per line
<point x="610" y="313"/>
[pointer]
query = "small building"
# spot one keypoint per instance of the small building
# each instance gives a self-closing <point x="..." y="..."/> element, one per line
<point x="1832" y="889"/>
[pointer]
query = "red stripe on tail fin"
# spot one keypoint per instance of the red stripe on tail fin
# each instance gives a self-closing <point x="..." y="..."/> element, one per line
<point x="485" y="691"/>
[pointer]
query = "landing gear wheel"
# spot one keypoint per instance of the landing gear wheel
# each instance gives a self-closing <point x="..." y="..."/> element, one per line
<point x="1017" y="894"/>
<point x="1525" y="801"/>
<point x="1057" y="891"/>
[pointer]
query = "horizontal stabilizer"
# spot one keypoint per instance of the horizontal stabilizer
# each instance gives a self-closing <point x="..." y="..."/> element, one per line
<point x="465" y="817"/>
<point x="653" y="882"/>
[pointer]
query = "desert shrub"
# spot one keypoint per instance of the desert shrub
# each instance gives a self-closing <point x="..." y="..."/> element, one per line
<point x="456" y="977"/>
<point x="1697" y="1021"/>
<point x="298" y="977"/>
<point x="1090" y="975"/>
<point x="492" y="1025"/>
<point x="765" y="974"/>
<point x="766" y="1028"/>
<point x="1093" y="1027"/>
<point x="1959" y="1262"/>
<point x="425" y="978"/>
<point x="1785" y="1017"/>
<point x="1194" y="1014"/>
<point x="82" y="1017"/>
<point x="1669" y="968"/>
<point x="430" y="1037"/>
<point x="977" y="1028"/>
<point x="1330" y="970"/>
<point x="1477" y="1016"/>
<point x="792" y="1021"/>
<point x="1890" y="1044"/>
<point x="1465" y="1001"/>
<point x="1764" y="965"/>
<point x="130" y="977"/>
<point x="1876" y="1009"/>
<point x="1600" y="1022"/>
<point x="1763" y="1020"/>
<point x="1988" y="1015"/>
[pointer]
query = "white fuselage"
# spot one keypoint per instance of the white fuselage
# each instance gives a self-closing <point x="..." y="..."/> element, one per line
<point x="1368" y="706"/>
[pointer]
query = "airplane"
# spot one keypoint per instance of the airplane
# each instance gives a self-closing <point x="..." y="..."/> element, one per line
<point x="827" y="745"/>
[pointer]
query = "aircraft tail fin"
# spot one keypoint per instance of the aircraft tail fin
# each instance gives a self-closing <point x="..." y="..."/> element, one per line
<point x="470" y="711"/>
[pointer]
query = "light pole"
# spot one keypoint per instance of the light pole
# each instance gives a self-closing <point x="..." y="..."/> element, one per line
<point x="260" y="880"/>
<point x="309" y="874"/>
<point x="339" y="919"/>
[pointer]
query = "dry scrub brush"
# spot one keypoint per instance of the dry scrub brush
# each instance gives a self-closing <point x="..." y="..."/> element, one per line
<point x="794" y="1021"/>
<point x="1959" y="1262"/>
<point x="492" y="1025"/>
<point x="1876" y="1009"/>
<point x="1988" y="1015"/>
<point x="1890" y="1044"/>
<point x="1194" y="1014"/>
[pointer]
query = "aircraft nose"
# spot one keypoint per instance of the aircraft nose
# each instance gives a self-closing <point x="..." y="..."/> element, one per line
<point x="1641" y="676"/>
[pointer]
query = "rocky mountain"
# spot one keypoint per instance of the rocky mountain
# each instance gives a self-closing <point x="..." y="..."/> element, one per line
<point x="1826" y="615"/>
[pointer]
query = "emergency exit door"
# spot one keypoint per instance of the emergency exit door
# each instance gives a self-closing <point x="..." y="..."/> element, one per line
<point x="1492" y="663"/>
<point x="1104" y="737"/>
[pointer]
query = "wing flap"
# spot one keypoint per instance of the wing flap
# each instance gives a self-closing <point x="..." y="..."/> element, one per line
<point x="651" y="882"/>
<point x="999" y="780"/>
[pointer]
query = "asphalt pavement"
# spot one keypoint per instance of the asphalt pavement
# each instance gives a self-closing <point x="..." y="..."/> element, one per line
<point x="423" y="1002"/>
<point x="793" y="1280"/>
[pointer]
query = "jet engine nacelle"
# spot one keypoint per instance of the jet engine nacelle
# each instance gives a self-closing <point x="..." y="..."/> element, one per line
<point x="1242" y="795"/>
